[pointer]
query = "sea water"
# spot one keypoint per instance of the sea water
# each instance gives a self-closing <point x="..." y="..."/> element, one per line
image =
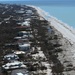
<point x="64" y="13"/>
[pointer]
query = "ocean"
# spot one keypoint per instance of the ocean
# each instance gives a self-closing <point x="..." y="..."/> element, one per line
<point x="64" y="13"/>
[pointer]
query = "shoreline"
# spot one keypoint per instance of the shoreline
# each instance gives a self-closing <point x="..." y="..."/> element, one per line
<point x="68" y="33"/>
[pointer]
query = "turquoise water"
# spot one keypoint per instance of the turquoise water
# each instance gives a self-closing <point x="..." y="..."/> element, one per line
<point x="63" y="13"/>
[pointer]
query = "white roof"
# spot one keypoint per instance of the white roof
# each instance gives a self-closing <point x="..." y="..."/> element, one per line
<point x="23" y="32"/>
<point x="28" y="19"/>
<point x="19" y="52"/>
<point x="26" y="23"/>
<point x="24" y="45"/>
<point x="29" y="11"/>
<point x="23" y="37"/>
<point x="17" y="37"/>
<point x="20" y="11"/>
<point x="19" y="73"/>
<point x="13" y="63"/>
<point x="10" y="55"/>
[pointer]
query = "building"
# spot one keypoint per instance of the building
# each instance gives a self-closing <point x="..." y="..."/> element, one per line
<point x="24" y="46"/>
<point x="13" y="65"/>
<point x="10" y="57"/>
<point x="20" y="72"/>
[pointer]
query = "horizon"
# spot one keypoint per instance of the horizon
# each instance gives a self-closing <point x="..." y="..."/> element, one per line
<point x="43" y="2"/>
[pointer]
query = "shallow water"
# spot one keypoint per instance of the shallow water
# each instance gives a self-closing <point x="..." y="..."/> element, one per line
<point x="63" y="13"/>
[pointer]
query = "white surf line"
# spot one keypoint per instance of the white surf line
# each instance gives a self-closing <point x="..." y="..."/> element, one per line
<point x="67" y="31"/>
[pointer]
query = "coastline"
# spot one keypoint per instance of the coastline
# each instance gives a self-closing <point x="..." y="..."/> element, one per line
<point x="68" y="33"/>
<point x="68" y="40"/>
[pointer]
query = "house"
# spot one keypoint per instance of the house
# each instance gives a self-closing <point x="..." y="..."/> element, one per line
<point x="29" y="12"/>
<point x="24" y="46"/>
<point x="26" y="40"/>
<point x="24" y="35"/>
<point x="11" y="45"/>
<point x="9" y="57"/>
<point x="20" y="72"/>
<point x="20" y="11"/>
<point x="21" y="35"/>
<point x="26" y="23"/>
<point x="13" y="65"/>
<point x="19" y="52"/>
<point x="23" y="40"/>
<point x="28" y="19"/>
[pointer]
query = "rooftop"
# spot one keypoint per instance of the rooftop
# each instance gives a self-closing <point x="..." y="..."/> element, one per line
<point x="19" y="72"/>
